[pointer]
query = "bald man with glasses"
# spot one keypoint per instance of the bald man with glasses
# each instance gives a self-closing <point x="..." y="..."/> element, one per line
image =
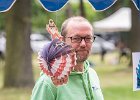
<point x="83" y="82"/>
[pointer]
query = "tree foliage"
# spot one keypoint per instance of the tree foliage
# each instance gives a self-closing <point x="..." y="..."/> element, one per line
<point x="40" y="16"/>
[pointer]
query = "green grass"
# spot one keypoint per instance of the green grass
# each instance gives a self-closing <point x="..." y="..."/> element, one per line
<point x="15" y="94"/>
<point x="120" y="93"/>
<point x="115" y="79"/>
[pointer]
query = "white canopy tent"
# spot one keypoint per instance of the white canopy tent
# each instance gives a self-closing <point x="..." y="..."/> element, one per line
<point x="117" y="22"/>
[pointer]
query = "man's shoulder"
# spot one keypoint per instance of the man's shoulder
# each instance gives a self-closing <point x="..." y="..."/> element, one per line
<point x="44" y="79"/>
<point x="44" y="88"/>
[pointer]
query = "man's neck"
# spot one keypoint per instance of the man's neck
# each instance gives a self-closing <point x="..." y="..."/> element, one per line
<point x="79" y="67"/>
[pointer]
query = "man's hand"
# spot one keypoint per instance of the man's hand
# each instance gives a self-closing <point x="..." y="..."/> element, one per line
<point x="61" y="81"/>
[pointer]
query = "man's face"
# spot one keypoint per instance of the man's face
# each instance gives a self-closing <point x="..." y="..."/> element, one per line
<point x="78" y="30"/>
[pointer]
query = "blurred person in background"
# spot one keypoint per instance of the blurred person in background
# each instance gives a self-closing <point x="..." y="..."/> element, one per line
<point x="124" y="51"/>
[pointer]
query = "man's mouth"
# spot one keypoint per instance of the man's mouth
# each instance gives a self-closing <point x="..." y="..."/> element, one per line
<point x="80" y="50"/>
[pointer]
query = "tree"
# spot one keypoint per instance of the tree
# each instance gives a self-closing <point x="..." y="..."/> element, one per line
<point x="134" y="34"/>
<point x="132" y="37"/>
<point x="82" y="8"/>
<point x="68" y="10"/>
<point x="18" y="68"/>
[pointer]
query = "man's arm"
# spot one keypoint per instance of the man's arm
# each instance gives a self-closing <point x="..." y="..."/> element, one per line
<point x="95" y="82"/>
<point x="98" y="94"/>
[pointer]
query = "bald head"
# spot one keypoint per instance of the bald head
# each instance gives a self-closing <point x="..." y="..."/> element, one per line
<point x="77" y="21"/>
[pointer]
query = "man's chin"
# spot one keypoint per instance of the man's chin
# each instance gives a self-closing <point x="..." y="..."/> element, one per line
<point x="81" y="59"/>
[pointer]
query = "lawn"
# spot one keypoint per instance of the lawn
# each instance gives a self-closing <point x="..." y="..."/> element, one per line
<point x="115" y="79"/>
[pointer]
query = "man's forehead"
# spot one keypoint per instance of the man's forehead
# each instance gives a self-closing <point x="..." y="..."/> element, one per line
<point x="79" y="26"/>
<point x="77" y="23"/>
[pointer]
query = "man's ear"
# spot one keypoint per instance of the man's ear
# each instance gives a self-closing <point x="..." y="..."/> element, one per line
<point x="63" y="38"/>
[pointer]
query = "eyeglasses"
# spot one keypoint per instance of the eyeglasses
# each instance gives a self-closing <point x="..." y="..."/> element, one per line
<point x="88" y="39"/>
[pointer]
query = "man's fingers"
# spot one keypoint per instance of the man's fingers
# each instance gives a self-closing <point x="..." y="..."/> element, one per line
<point x="61" y="81"/>
<point x="65" y="79"/>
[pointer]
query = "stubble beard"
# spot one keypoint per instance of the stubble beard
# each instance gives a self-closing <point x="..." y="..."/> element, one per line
<point x="81" y="59"/>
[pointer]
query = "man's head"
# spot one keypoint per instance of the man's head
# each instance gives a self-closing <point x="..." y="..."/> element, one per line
<point x="78" y="33"/>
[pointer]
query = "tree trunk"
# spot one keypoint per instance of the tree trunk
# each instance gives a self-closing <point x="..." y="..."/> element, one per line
<point x="134" y="35"/>
<point x="82" y="9"/>
<point x="68" y="10"/>
<point x="18" y="68"/>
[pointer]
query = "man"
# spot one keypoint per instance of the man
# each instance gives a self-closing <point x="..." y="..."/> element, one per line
<point x="83" y="82"/>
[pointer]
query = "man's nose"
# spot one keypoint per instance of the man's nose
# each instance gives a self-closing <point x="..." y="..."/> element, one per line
<point x="83" y="43"/>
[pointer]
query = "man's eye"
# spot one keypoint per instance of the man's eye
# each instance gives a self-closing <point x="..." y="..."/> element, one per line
<point x="88" y="38"/>
<point x="76" y="38"/>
